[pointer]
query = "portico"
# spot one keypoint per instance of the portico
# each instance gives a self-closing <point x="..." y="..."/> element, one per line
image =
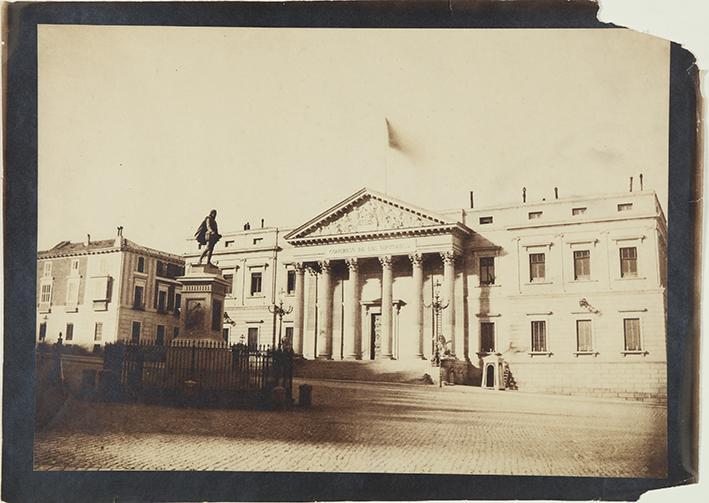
<point x="372" y="261"/>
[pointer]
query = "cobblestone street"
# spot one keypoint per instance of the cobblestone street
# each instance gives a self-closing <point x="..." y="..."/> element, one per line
<point x="367" y="427"/>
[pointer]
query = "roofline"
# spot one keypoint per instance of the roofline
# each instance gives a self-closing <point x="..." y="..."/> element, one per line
<point x="125" y="246"/>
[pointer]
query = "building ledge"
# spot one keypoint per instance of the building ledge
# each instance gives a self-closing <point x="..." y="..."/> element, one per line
<point x="586" y="353"/>
<point x="540" y="353"/>
<point x="642" y="353"/>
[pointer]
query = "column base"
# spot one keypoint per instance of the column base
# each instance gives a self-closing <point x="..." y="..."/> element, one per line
<point x="323" y="357"/>
<point x="352" y="357"/>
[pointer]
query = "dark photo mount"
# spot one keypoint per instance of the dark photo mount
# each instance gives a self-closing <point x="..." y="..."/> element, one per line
<point x="21" y="483"/>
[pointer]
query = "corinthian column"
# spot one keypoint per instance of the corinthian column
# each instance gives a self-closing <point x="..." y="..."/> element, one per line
<point x="299" y="308"/>
<point x="417" y="304"/>
<point x="449" y="287"/>
<point x="387" y="304"/>
<point x="352" y="341"/>
<point x="325" y="309"/>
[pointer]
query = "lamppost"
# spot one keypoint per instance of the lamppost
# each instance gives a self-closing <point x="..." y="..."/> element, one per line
<point x="437" y="306"/>
<point x="280" y="311"/>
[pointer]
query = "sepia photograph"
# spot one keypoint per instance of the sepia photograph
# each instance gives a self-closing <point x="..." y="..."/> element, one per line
<point x="331" y="250"/>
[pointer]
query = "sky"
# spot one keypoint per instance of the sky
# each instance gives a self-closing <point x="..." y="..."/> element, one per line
<point x="151" y="127"/>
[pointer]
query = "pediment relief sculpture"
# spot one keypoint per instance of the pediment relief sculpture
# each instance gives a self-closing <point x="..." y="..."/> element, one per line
<point x="371" y="215"/>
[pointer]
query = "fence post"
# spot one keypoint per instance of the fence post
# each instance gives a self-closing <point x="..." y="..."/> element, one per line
<point x="193" y="360"/>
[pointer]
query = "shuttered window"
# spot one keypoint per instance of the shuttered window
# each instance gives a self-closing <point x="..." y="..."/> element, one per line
<point x="584" y="342"/>
<point x="631" y="328"/>
<point x="628" y="262"/>
<point x="539" y="337"/>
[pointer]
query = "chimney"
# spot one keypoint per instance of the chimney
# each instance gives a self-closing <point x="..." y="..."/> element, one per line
<point x="88" y="240"/>
<point x="556" y="192"/>
<point x="631" y="184"/>
<point x="524" y="194"/>
<point x="119" y="236"/>
<point x="641" y="182"/>
<point x="262" y="223"/>
<point x="472" y="201"/>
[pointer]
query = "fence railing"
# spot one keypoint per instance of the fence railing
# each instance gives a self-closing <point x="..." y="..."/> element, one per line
<point x="203" y="366"/>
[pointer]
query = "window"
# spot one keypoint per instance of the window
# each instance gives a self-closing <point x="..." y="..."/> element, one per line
<point x="255" y="283"/>
<point x="225" y="334"/>
<point x="175" y="332"/>
<point x="138" y="297"/>
<point x="578" y="211"/>
<point x="72" y="293"/>
<point x="631" y="329"/>
<point x="536" y="267"/>
<point x="628" y="262"/>
<point x="98" y="331"/>
<point x="46" y="293"/>
<point x="230" y="280"/>
<point x="42" y="331"/>
<point x="47" y="269"/>
<point x="485" y="220"/>
<point x="69" y="332"/>
<point x="539" y="337"/>
<point x="253" y="338"/>
<point x="625" y="207"/>
<point x="141" y="264"/>
<point x="288" y="338"/>
<point x="178" y="300"/>
<point x="487" y="270"/>
<point x="487" y="337"/>
<point x="584" y="343"/>
<point x="135" y="332"/>
<point x="75" y="267"/>
<point x="162" y="301"/>
<point x="228" y="244"/>
<point x="160" y="269"/>
<point x="582" y="264"/>
<point x="160" y="335"/>
<point x="290" y="283"/>
<point x="533" y="215"/>
<point x="257" y="240"/>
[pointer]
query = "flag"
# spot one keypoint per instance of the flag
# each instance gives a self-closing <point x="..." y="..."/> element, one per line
<point x="392" y="138"/>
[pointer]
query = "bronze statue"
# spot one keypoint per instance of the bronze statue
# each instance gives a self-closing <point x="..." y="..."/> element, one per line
<point x="208" y="235"/>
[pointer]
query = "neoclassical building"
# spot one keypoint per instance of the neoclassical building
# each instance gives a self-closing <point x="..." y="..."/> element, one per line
<point x="569" y="292"/>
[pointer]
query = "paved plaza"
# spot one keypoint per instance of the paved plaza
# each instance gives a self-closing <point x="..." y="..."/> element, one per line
<point x="369" y="427"/>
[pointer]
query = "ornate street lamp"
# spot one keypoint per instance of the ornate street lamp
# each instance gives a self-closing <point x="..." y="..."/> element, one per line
<point x="280" y="311"/>
<point x="437" y="306"/>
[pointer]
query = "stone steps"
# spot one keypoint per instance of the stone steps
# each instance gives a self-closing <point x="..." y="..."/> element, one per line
<point x="395" y="371"/>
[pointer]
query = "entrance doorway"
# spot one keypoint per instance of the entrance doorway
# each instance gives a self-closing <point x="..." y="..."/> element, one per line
<point x="376" y="331"/>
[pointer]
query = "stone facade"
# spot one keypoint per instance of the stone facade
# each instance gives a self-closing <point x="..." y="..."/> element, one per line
<point x="570" y="292"/>
<point x="107" y="290"/>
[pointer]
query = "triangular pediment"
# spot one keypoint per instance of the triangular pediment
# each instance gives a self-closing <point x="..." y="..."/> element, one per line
<point x="366" y="212"/>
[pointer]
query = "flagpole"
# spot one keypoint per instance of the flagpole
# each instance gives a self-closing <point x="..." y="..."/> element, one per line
<point x="386" y="157"/>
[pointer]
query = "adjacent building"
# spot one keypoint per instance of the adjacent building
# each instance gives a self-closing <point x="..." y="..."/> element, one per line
<point x="107" y="290"/>
<point x="570" y="292"/>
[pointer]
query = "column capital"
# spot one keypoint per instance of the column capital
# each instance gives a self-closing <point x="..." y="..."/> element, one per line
<point x="416" y="259"/>
<point x="311" y="270"/>
<point x="385" y="261"/>
<point x="352" y="264"/>
<point x="299" y="266"/>
<point x="325" y="266"/>
<point x="449" y="257"/>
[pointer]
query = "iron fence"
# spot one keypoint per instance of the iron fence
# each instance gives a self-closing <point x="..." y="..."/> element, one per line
<point x="202" y="366"/>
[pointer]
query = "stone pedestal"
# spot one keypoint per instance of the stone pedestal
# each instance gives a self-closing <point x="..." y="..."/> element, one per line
<point x="202" y="310"/>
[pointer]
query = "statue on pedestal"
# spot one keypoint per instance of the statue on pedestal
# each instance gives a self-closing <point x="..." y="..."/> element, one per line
<point x="207" y="234"/>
